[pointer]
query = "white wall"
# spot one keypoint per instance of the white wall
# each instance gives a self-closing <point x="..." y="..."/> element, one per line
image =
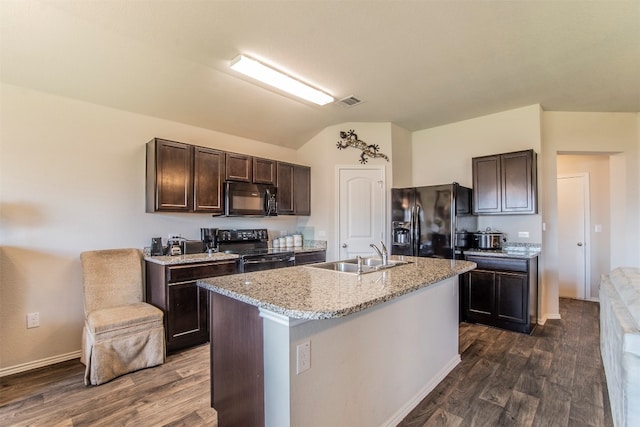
<point x="443" y="154"/>
<point x="593" y="133"/>
<point x="322" y="155"/>
<point x="72" y="178"/>
<point x="597" y="166"/>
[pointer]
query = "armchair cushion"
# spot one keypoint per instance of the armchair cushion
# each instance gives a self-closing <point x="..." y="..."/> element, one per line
<point x="113" y="320"/>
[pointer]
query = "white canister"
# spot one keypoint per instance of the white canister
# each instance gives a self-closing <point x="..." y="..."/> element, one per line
<point x="297" y="240"/>
<point x="289" y="241"/>
<point x="276" y="243"/>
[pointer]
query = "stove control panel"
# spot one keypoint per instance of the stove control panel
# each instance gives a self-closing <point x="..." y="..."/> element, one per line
<point x="246" y="235"/>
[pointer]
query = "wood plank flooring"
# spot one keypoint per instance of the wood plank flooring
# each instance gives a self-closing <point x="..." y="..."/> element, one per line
<point x="176" y="393"/>
<point x="552" y="378"/>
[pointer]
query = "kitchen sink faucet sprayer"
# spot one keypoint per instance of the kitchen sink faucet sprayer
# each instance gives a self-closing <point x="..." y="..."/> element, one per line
<point x="384" y="254"/>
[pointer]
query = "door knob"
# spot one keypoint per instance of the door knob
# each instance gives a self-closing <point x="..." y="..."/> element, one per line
<point x="579" y="243"/>
<point x="344" y="245"/>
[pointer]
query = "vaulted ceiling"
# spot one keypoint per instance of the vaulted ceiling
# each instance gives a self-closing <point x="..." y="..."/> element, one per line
<point x="418" y="64"/>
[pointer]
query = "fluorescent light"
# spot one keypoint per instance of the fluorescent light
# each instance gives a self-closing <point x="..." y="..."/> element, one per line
<point x="261" y="72"/>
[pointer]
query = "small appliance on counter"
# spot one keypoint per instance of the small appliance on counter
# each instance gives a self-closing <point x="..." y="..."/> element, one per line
<point x="192" y="247"/>
<point x="174" y="246"/>
<point x="156" y="246"/>
<point x="209" y="238"/>
<point x="488" y="239"/>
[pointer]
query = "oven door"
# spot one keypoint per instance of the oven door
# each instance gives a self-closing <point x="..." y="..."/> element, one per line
<point x="266" y="262"/>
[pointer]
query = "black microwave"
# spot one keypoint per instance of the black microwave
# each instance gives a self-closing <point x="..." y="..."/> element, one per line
<point x="246" y="199"/>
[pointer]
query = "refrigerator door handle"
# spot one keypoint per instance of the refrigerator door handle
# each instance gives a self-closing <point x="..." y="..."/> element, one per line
<point x="416" y="231"/>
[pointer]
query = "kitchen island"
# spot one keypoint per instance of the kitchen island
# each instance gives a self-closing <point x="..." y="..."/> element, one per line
<point x="307" y="346"/>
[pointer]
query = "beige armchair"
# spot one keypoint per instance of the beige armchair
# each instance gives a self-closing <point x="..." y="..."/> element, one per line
<point x="121" y="333"/>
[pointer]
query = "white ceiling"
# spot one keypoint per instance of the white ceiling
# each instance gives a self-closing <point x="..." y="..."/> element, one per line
<point x="418" y="64"/>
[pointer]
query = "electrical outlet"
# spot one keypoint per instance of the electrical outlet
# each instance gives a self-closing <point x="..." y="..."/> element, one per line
<point x="523" y="234"/>
<point x="303" y="357"/>
<point x="33" y="320"/>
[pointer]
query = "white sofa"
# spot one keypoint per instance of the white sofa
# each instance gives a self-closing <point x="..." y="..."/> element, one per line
<point x="620" y="343"/>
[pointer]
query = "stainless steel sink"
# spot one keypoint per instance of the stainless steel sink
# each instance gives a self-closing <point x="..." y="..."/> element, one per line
<point x="369" y="265"/>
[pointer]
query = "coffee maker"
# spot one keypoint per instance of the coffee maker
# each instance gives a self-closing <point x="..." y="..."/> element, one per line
<point x="209" y="237"/>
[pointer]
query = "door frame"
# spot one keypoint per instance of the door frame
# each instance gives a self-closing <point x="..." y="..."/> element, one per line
<point x="587" y="230"/>
<point x="336" y="202"/>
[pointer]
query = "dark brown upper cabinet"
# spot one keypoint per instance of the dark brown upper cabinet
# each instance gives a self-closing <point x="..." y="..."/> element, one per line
<point x="264" y="171"/>
<point x="301" y="190"/>
<point x="169" y="176"/>
<point x="284" y="172"/>
<point x="505" y="183"/>
<point x="239" y="167"/>
<point x="187" y="178"/>
<point x="208" y="180"/>
<point x="294" y="189"/>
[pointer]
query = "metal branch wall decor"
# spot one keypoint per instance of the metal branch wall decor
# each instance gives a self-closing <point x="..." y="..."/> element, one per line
<point x="350" y="139"/>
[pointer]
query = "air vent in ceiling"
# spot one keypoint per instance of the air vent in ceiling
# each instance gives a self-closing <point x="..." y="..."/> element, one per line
<point x="350" y="101"/>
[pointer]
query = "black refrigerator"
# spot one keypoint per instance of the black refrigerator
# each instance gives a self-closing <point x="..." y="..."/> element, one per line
<point x="425" y="220"/>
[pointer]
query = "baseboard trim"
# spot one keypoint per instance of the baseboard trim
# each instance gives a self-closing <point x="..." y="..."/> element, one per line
<point x="422" y="393"/>
<point x="39" y="363"/>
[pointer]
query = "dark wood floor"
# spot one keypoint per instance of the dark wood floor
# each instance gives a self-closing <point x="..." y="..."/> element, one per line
<point x="173" y="394"/>
<point x="552" y="378"/>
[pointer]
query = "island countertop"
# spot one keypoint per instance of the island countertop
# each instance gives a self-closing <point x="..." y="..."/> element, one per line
<point x="305" y="292"/>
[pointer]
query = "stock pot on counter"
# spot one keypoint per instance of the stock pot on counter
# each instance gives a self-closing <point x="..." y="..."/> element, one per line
<point x="488" y="239"/>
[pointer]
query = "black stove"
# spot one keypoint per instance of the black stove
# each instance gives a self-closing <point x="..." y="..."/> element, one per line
<point x="251" y="245"/>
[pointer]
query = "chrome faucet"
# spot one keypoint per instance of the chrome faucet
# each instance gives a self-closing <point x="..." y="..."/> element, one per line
<point x="384" y="254"/>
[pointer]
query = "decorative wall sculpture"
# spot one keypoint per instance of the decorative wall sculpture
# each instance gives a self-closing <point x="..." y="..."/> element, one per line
<point x="350" y="139"/>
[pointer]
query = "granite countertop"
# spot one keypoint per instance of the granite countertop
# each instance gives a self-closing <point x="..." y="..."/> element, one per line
<point x="525" y="252"/>
<point x="221" y="256"/>
<point x="190" y="258"/>
<point x="305" y="292"/>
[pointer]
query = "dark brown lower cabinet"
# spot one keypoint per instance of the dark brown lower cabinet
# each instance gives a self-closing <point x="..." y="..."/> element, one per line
<point x="501" y="292"/>
<point x="237" y="365"/>
<point x="173" y="289"/>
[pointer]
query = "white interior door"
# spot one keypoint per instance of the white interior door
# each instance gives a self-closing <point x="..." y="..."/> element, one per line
<point x="361" y="207"/>
<point x="573" y="197"/>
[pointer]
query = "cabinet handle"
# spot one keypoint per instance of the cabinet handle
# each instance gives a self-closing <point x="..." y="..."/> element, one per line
<point x="344" y="245"/>
<point x="579" y="243"/>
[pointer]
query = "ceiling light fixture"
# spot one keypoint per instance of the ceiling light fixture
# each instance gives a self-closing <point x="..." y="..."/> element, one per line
<point x="261" y="72"/>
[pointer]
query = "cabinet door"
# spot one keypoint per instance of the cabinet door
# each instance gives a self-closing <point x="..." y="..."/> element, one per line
<point x="512" y="297"/>
<point x="518" y="182"/>
<point x="209" y="173"/>
<point x="302" y="190"/>
<point x="284" y="174"/>
<point x="479" y="294"/>
<point x="169" y="176"/>
<point x="187" y="323"/>
<point x="487" y="194"/>
<point x="239" y="167"/>
<point x="264" y="171"/>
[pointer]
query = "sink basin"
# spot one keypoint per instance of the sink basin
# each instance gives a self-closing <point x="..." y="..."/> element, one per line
<point x="377" y="262"/>
<point x="369" y="265"/>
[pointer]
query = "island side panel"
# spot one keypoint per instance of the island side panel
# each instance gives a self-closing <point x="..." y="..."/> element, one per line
<point x="373" y="367"/>
<point x="237" y="368"/>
